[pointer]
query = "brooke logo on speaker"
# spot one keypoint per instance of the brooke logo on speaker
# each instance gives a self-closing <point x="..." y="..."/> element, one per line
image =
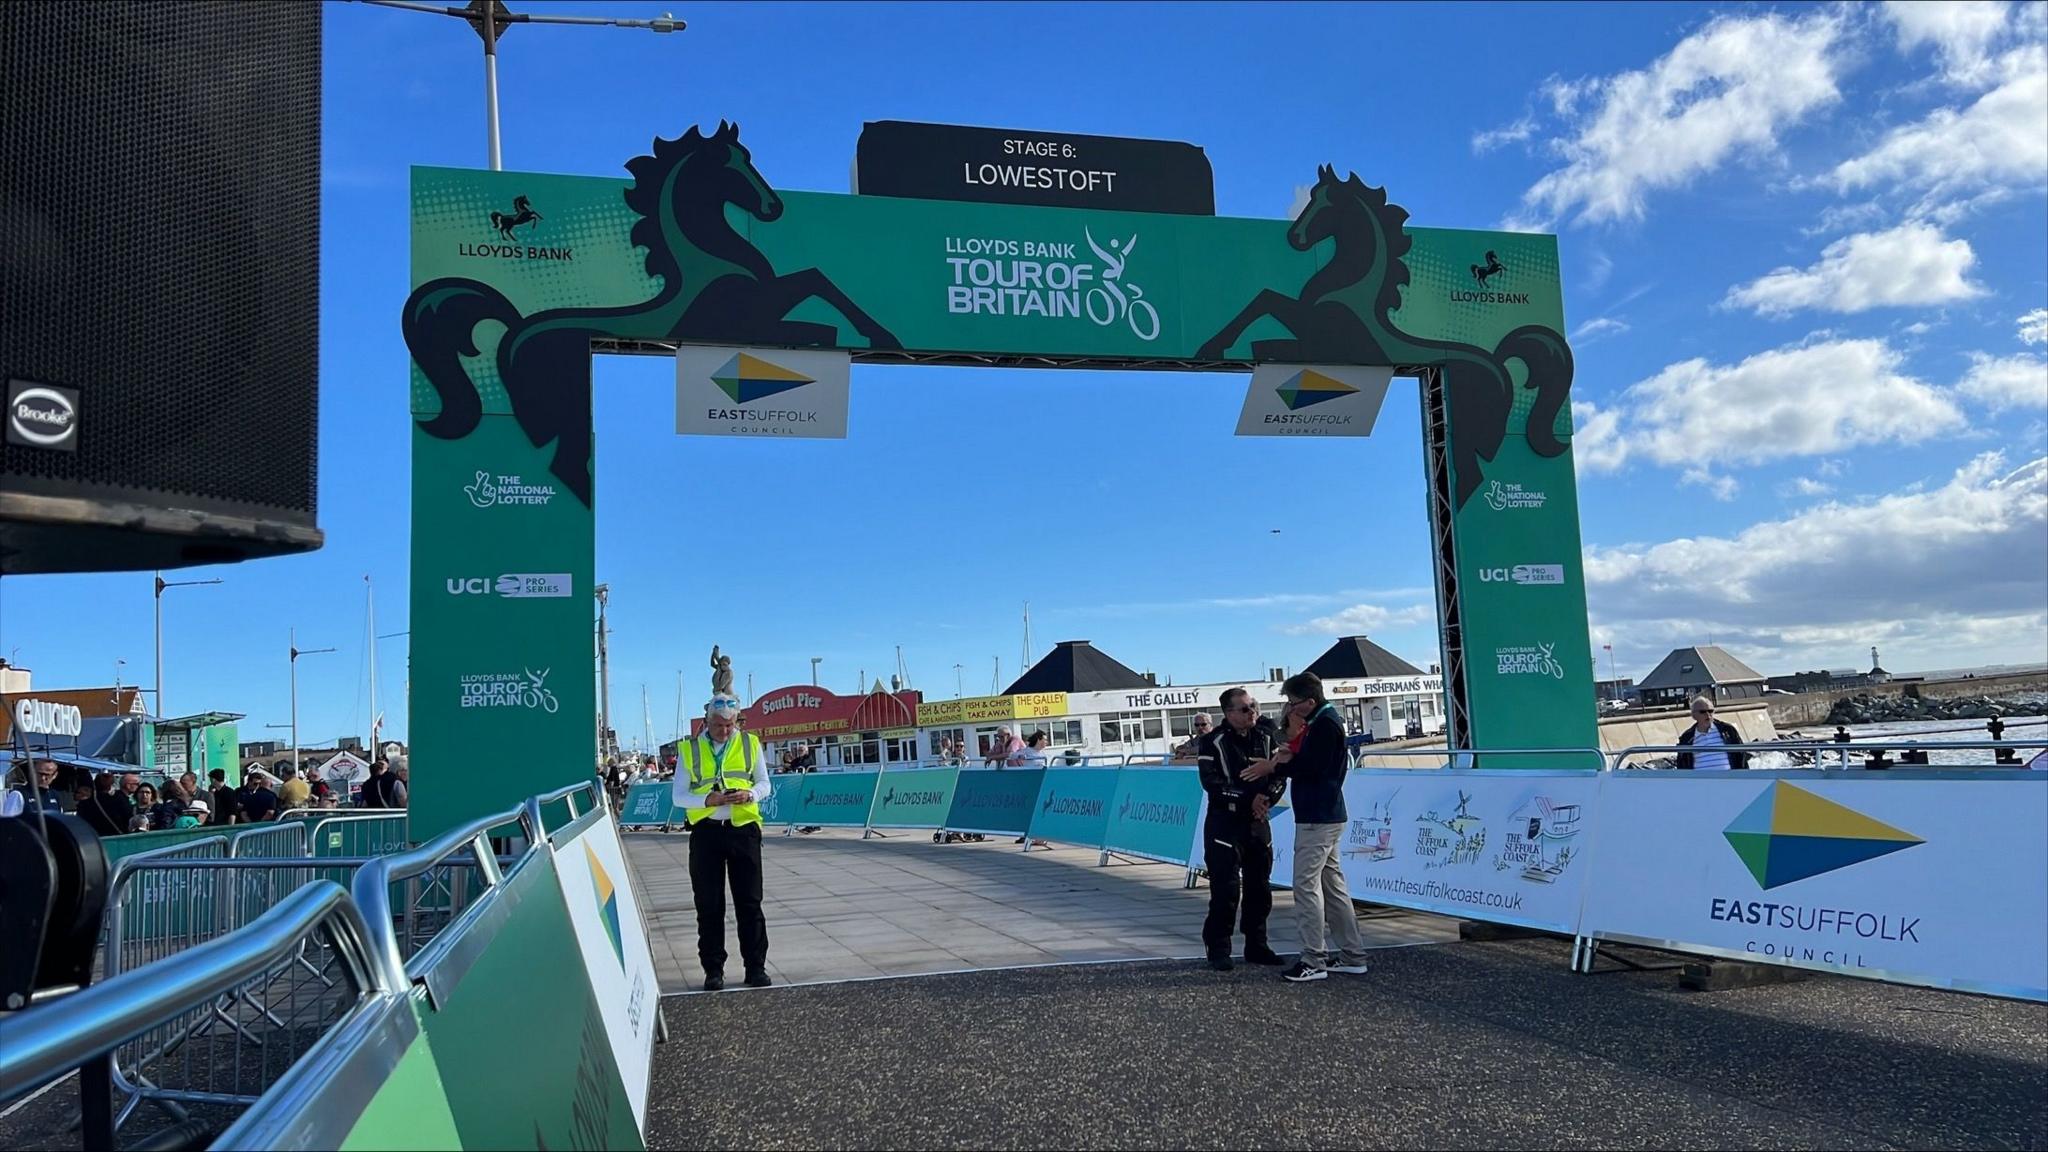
<point x="42" y="416"/>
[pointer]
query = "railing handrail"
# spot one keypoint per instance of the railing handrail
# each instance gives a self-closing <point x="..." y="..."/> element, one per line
<point x="134" y="860"/>
<point x="46" y="1042"/>
<point x="302" y="813"/>
<point x="272" y="828"/>
<point x="1615" y="759"/>
<point x="1598" y="757"/>
<point x="372" y="885"/>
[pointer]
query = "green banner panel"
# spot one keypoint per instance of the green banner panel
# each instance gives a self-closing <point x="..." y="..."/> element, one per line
<point x="1073" y="805"/>
<point x="997" y="800"/>
<point x="558" y="1086"/>
<point x="835" y="799"/>
<point x="917" y="798"/>
<point x="651" y="803"/>
<point x="409" y="1110"/>
<point x="1156" y="813"/>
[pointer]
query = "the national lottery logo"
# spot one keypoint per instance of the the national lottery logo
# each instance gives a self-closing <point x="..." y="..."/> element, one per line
<point x="1004" y="277"/>
<point x="1501" y="497"/>
<point x="498" y="491"/>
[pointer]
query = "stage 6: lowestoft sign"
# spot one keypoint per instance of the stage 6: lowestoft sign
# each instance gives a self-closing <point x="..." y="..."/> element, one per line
<point x="1006" y="166"/>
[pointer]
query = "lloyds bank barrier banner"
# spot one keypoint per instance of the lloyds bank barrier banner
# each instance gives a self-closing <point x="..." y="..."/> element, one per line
<point x="517" y="275"/>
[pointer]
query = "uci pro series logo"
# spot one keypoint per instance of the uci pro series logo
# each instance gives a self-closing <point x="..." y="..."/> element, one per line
<point x="1523" y="574"/>
<point x="514" y="585"/>
<point x="508" y="247"/>
<point x="1004" y="277"/>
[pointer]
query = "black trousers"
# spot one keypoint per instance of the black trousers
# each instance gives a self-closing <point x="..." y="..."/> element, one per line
<point x="1239" y="856"/>
<point x="719" y="850"/>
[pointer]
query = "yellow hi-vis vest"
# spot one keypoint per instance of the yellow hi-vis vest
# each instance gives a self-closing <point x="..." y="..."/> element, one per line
<point x="710" y="773"/>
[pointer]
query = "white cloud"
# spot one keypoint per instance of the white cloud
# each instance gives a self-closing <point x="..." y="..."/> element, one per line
<point x="2007" y="382"/>
<point x="1949" y="576"/>
<point x="2034" y="327"/>
<point x="1363" y="619"/>
<point x="1597" y="328"/>
<point x="1596" y="437"/>
<point x="1844" y="217"/>
<point x="1723" y="92"/>
<point x="1515" y="133"/>
<point x="1722" y="488"/>
<point x="1806" y="486"/>
<point x="1998" y="142"/>
<point x="1807" y="399"/>
<point x="1962" y="32"/>
<point x="1912" y="264"/>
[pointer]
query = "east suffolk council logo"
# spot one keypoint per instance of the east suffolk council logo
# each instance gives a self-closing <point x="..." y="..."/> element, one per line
<point x="1308" y="387"/>
<point x="1789" y="834"/>
<point x="607" y="904"/>
<point x="747" y="378"/>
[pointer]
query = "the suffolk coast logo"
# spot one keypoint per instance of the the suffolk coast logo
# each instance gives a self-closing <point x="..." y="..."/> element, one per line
<point x="506" y="227"/>
<point x="998" y="276"/>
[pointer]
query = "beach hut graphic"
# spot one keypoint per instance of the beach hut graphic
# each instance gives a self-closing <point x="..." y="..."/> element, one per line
<point x="1540" y="841"/>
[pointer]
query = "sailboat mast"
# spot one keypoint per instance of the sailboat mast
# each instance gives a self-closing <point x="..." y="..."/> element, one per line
<point x="370" y="610"/>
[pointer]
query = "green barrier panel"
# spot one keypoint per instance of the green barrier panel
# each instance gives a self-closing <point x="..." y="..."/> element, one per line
<point x="356" y="836"/>
<point x="996" y="800"/>
<point x="135" y="842"/>
<point x="835" y="799"/>
<point x="648" y="804"/>
<point x="915" y="798"/>
<point x="550" y="1080"/>
<point x="410" y="1109"/>
<point x="1073" y="805"/>
<point x="1156" y="814"/>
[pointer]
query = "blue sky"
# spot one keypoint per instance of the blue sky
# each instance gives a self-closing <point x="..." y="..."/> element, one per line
<point x="1804" y="253"/>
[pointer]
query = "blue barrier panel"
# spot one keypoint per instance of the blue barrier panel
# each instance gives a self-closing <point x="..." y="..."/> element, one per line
<point x="1156" y="814"/>
<point x="914" y="798"/>
<point x="835" y="800"/>
<point x="995" y="800"/>
<point x="647" y="804"/>
<point x="1073" y="805"/>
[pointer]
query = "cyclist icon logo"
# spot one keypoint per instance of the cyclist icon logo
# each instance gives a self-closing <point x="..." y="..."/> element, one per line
<point x="1115" y="299"/>
<point x="537" y="694"/>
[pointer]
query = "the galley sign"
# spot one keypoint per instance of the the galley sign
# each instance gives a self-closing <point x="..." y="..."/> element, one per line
<point x="1060" y="169"/>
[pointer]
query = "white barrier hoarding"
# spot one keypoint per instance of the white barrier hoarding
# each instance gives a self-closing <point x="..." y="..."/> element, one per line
<point x="606" y="915"/>
<point x="1499" y="846"/>
<point x="1935" y="879"/>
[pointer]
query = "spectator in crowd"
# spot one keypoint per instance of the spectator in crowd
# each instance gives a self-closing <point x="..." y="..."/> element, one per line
<point x="1190" y="748"/>
<point x="81" y="792"/>
<point x="805" y="760"/>
<point x="259" y="802"/>
<point x="151" y="813"/>
<point x="171" y="805"/>
<point x="44" y="794"/>
<point x="404" y="774"/>
<point x="222" y="806"/>
<point x="188" y="785"/>
<point x="382" y="789"/>
<point x="109" y="810"/>
<point x="1315" y="766"/>
<point x="1002" y="748"/>
<point x="1709" y="737"/>
<point x="130" y="782"/>
<point x="1237" y="838"/>
<point x="292" y="791"/>
<point x="195" y="815"/>
<point x="1031" y="754"/>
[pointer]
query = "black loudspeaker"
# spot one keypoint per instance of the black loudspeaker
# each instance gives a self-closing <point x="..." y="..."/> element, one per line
<point x="159" y="282"/>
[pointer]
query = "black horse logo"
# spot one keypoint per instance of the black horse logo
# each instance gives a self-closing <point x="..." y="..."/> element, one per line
<point x="1343" y="316"/>
<point x="1483" y="272"/>
<point x="522" y="213"/>
<point x="716" y="287"/>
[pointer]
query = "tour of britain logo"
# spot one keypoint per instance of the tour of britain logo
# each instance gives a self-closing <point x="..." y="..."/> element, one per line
<point x="1788" y="834"/>
<point x="499" y="491"/>
<point x="507" y="225"/>
<point x="1527" y="660"/>
<point x="1309" y="387"/>
<point x="509" y="690"/>
<point x="1005" y="277"/>
<point x="1483" y="276"/>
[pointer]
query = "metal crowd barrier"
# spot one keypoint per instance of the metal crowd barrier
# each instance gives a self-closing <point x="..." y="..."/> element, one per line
<point x="275" y="839"/>
<point x="1825" y="751"/>
<point x="134" y="1009"/>
<point x="1467" y="758"/>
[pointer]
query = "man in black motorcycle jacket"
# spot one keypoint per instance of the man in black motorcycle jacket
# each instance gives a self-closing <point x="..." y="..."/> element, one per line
<point x="1237" y="839"/>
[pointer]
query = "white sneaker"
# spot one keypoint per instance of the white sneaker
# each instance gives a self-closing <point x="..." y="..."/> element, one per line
<point x="1357" y="969"/>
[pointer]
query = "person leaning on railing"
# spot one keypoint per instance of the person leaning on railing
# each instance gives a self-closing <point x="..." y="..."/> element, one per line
<point x="1708" y="737"/>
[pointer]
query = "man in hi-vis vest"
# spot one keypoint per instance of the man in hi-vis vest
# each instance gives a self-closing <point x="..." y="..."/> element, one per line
<point x="721" y="780"/>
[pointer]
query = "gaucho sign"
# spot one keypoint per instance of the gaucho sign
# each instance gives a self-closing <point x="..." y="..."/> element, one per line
<point x="1001" y="166"/>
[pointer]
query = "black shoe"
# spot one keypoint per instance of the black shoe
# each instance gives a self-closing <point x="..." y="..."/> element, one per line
<point x="1265" y="956"/>
<point x="714" y="982"/>
<point x="1302" y="972"/>
<point x="758" y="980"/>
<point x="1219" y="962"/>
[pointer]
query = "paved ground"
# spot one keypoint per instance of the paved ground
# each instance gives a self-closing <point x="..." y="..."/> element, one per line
<point x="839" y="908"/>
<point x="1458" y="1045"/>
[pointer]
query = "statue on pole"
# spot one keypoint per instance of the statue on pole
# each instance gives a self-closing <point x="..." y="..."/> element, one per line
<point x="721" y="673"/>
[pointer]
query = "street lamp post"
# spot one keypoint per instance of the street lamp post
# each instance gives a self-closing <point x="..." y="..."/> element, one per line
<point x="162" y="584"/>
<point x="296" y="653"/>
<point x="490" y="18"/>
<point x="815" y="661"/>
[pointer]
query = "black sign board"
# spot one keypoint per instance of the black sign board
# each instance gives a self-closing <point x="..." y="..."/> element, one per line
<point x="997" y="165"/>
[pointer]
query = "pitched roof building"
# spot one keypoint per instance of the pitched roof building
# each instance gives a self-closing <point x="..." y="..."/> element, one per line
<point x="1077" y="666"/>
<point x="1704" y="669"/>
<point x="1356" y="657"/>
